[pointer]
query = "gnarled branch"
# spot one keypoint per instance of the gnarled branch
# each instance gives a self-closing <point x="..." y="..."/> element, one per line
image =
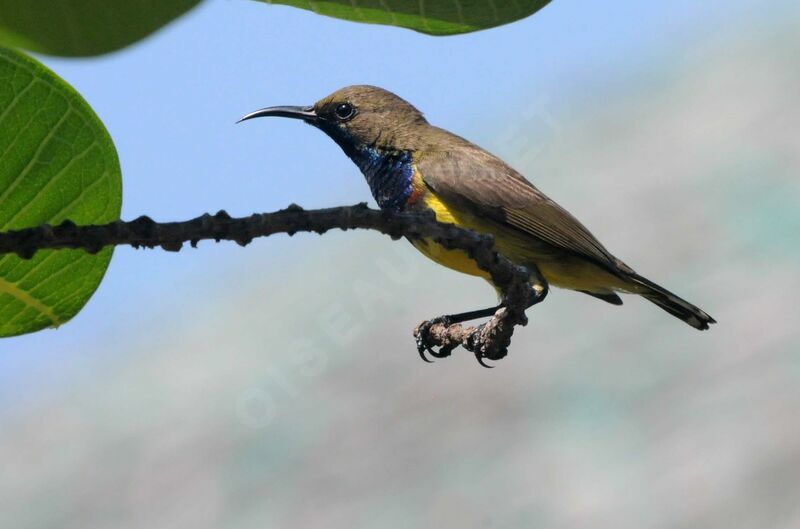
<point x="487" y="341"/>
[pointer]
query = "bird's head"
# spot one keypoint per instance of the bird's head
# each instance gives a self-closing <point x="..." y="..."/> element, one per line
<point x="357" y="117"/>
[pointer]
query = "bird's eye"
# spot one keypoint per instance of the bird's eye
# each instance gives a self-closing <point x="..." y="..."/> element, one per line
<point x="344" y="111"/>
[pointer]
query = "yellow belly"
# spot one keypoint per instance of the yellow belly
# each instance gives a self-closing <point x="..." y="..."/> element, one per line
<point x="558" y="268"/>
<point x="454" y="259"/>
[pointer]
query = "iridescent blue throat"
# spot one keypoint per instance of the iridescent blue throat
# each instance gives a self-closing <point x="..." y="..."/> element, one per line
<point x="388" y="174"/>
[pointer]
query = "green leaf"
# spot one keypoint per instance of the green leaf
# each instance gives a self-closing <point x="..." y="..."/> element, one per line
<point x="83" y="27"/>
<point x="434" y="17"/>
<point x="57" y="162"/>
<point x="92" y="27"/>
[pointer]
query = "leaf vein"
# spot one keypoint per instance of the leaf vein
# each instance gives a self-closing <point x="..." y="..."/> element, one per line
<point x="28" y="300"/>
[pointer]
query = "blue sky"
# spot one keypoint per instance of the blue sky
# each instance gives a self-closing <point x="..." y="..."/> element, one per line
<point x="170" y="104"/>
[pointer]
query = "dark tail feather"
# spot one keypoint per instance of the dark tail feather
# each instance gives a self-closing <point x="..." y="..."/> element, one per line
<point x="608" y="297"/>
<point x="671" y="303"/>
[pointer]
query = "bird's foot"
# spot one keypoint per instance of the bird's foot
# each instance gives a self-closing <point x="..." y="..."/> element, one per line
<point x="433" y="333"/>
<point x="483" y="341"/>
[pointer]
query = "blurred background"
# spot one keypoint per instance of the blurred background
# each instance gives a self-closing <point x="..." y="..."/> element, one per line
<point x="278" y="385"/>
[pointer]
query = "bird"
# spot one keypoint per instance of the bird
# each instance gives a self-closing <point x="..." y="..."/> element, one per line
<point x="413" y="166"/>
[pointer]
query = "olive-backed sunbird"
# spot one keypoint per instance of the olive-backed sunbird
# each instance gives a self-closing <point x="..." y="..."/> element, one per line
<point x="411" y="165"/>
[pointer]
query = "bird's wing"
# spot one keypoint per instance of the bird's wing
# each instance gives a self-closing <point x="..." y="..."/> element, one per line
<point x="485" y="184"/>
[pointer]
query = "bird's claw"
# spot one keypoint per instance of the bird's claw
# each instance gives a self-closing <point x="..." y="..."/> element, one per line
<point x="471" y="338"/>
<point x="424" y="339"/>
<point x="481" y="355"/>
<point x="480" y="358"/>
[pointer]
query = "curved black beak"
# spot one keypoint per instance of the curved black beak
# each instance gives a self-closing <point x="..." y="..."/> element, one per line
<point x="307" y="114"/>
